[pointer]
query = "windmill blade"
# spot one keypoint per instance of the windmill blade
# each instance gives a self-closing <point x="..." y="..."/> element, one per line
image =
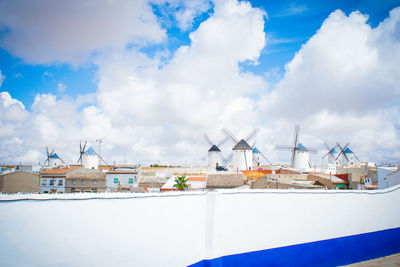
<point x="84" y="147"/>
<point x="208" y="140"/>
<point x="327" y="147"/>
<point x="222" y="142"/>
<point x="245" y="160"/>
<point x="228" y="158"/>
<point x="252" y="134"/>
<point x="231" y="137"/>
<point x="262" y="155"/>
<point x="47" y="150"/>
<point x="326" y="155"/>
<point x="283" y="147"/>
<point x="221" y="156"/>
<point x="296" y="135"/>
<point x="357" y="158"/>
<point x="341" y="150"/>
<point x="292" y="161"/>
<point x="52" y="152"/>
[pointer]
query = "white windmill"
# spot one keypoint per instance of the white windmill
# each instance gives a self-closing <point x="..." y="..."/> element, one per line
<point x="258" y="157"/>
<point x="300" y="158"/>
<point x="89" y="158"/>
<point x="242" y="152"/>
<point x="53" y="160"/>
<point x="215" y="157"/>
<point x="332" y="155"/>
<point x="348" y="156"/>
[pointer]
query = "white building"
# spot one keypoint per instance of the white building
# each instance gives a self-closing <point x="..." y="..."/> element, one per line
<point x="214" y="157"/>
<point x="242" y="156"/>
<point x="53" y="180"/>
<point x="256" y="157"/>
<point x="348" y="158"/>
<point x="301" y="157"/>
<point x="122" y="180"/>
<point x="90" y="159"/>
<point x="54" y="161"/>
<point x="387" y="177"/>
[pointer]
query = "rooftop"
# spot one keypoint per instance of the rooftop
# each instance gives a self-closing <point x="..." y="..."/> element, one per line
<point x="242" y="145"/>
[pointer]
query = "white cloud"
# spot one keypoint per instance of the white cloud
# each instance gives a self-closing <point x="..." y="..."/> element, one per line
<point x="70" y="31"/>
<point x="342" y="85"/>
<point x="2" y="77"/>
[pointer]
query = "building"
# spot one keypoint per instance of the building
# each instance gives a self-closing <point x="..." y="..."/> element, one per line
<point x="90" y="159"/>
<point x="15" y="182"/>
<point x="53" y="180"/>
<point x="242" y="156"/>
<point x="214" y="157"/>
<point x="122" y="180"/>
<point x="85" y="180"/>
<point x="301" y="158"/>
<point x="225" y="180"/>
<point x="387" y="177"/>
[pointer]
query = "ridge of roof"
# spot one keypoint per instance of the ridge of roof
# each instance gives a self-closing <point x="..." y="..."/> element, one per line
<point x="242" y="145"/>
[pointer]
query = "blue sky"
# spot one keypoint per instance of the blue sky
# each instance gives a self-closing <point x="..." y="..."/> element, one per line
<point x="152" y="51"/>
<point x="289" y="24"/>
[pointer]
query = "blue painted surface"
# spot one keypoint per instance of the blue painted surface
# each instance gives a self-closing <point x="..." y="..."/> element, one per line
<point x="348" y="150"/>
<point x="90" y="151"/>
<point x="331" y="252"/>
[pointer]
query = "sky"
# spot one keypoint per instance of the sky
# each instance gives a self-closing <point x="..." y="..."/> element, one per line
<point x="152" y="77"/>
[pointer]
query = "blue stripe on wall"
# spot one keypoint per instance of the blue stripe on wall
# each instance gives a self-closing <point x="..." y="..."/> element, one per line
<point x="330" y="252"/>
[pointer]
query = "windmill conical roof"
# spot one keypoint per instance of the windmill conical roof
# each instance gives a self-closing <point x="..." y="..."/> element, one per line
<point x="242" y="145"/>
<point x="333" y="150"/>
<point x="90" y="151"/>
<point x="348" y="150"/>
<point x="214" y="148"/>
<point x="301" y="147"/>
<point x="54" y="156"/>
<point x="256" y="151"/>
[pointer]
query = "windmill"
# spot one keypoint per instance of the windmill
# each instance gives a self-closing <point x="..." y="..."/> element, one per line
<point x="331" y="154"/>
<point x="81" y="151"/>
<point x="242" y="151"/>
<point x="300" y="158"/>
<point x="49" y="154"/>
<point x="257" y="156"/>
<point x="347" y="154"/>
<point x="53" y="160"/>
<point x="215" y="157"/>
<point x="89" y="158"/>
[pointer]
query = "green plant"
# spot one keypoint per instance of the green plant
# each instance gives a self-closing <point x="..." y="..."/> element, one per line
<point x="181" y="182"/>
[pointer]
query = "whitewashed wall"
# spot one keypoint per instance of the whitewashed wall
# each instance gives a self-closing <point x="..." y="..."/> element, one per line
<point x="180" y="229"/>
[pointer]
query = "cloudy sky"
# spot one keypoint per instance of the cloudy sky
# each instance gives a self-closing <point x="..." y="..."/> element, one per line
<point x="152" y="76"/>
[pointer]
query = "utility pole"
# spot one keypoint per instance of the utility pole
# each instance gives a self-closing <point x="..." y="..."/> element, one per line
<point x="100" y="140"/>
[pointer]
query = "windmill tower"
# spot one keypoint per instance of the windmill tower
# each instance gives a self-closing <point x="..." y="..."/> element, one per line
<point x="242" y="151"/>
<point x="332" y="155"/>
<point x="88" y="158"/>
<point x="53" y="160"/>
<point x="214" y="153"/>
<point x="258" y="157"/>
<point x="348" y="156"/>
<point x="300" y="158"/>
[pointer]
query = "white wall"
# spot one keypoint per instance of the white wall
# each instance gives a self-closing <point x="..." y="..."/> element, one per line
<point x="123" y="179"/>
<point x="242" y="159"/>
<point x="382" y="173"/>
<point x="214" y="158"/>
<point x="302" y="159"/>
<point x="46" y="187"/>
<point x="393" y="179"/>
<point x="178" y="229"/>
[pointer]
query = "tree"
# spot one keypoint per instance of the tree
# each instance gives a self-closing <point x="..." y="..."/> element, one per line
<point x="180" y="182"/>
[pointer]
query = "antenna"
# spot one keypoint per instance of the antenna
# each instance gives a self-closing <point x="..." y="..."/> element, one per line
<point x="100" y="140"/>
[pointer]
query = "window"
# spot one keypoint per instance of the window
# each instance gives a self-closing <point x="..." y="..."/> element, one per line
<point x="51" y="182"/>
<point x="83" y="182"/>
<point x="115" y="180"/>
<point x="44" y="182"/>
<point x="130" y="180"/>
<point x="60" y="182"/>
<point x="94" y="182"/>
<point x="73" y="181"/>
